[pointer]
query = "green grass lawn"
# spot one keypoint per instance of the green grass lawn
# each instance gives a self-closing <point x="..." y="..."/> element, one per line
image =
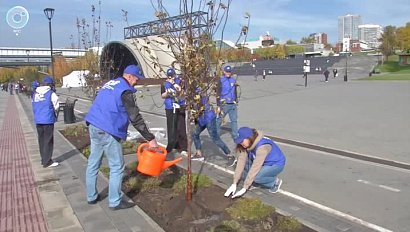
<point x="391" y="70"/>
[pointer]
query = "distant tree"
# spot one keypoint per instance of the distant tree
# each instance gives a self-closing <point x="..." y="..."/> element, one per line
<point x="294" y="49"/>
<point x="388" y="41"/>
<point x="280" y="51"/>
<point x="60" y="68"/>
<point x="403" y="38"/>
<point x="290" y="42"/>
<point x="307" y="40"/>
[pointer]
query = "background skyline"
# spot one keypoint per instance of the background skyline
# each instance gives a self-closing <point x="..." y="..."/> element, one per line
<point x="284" y="19"/>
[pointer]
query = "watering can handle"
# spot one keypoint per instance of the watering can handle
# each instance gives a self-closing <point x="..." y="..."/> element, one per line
<point x="155" y="149"/>
<point x="140" y="147"/>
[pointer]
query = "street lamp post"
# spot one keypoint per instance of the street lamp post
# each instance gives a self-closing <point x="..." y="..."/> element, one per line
<point x="49" y="12"/>
<point x="345" y="77"/>
<point x="28" y="56"/>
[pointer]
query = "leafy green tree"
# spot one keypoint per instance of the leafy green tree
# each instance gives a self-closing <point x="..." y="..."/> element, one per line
<point x="389" y="41"/>
<point x="403" y="38"/>
<point x="294" y="49"/>
<point x="280" y="51"/>
<point x="307" y="40"/>
<point x="290" y="42"/>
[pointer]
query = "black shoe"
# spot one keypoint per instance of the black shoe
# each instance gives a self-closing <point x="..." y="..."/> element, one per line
<point x="123" y="205"/>
<point x="93" y="202"/>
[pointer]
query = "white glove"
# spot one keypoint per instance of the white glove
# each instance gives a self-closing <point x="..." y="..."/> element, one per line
<point x="239" y="193"/>
<point x="177" y="87"/>
<point x="231" y="190"/>
<point x="170" y="91"/>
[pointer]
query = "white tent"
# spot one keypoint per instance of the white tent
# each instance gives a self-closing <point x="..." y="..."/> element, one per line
<point x="75" y="79"/>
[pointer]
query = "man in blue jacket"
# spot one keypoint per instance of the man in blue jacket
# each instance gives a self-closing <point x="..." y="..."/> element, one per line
<point x="108" y="120"/>
<point x="44" y="103"/>
<point x="227" y="100"/>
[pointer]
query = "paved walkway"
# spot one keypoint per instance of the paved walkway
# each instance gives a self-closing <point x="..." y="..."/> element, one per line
<point x="20" y="207"/>
<point x="34" y="198"/>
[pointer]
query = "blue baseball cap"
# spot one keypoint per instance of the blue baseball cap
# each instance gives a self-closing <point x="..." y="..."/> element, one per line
<point x="243" y="133"/>
<point x="134" y="70"/>
<point x="48" y="80"/>
<point x="35" y="84"/>
<point x="228" y="68"/>
<point x="171" y="72"/>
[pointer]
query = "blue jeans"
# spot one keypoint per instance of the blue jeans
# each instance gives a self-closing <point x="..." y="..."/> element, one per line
<point x="232" y="111"/>
<point x="102" y="142"/>
<point x="213" y="133"/>
<point x="266" y="177"/>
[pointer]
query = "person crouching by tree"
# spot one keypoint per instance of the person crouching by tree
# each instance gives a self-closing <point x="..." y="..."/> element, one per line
<point x="45" y="103"/>
<point x="206" y="120"/>
<point x="176" y="128"/>
<point x="260" y="161"/>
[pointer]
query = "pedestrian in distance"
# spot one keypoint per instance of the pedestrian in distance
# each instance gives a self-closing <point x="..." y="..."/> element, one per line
<point x="108" y="119"/>
<point x="206" y="120"/>
<point x="260" y="161"/>
<point x="264" y="74"/>
<point x="11" y="88"/>
<point x="45" y="103"/>
<point x="171" y="92"/>
<point x="34" y="86"/>
<point x="326" y="74"/>
<point x="335" y="73"/>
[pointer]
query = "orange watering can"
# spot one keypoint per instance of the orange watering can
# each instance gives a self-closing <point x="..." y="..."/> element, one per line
<point x="152" y="161"/>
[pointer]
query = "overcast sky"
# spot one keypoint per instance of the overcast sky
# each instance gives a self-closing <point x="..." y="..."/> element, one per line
<point x="284" y="19"/>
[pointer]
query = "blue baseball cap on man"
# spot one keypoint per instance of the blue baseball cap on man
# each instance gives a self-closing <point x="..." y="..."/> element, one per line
<point x="171" y="72"/>
<point x="228" y="68"/>
<point x="134" y="70"/>
<point x="48" y="80"/>
<point x="243" y="133"/>
<point x="35" y="84"/>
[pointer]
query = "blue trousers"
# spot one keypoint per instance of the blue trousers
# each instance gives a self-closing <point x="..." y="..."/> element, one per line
<point x="267" y="175"/>
<point x="232" y="111"/>
<point x="102" y="142"/>
<point x="213" y="133"/>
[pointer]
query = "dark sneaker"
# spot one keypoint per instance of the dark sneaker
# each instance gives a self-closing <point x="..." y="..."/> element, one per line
<point x="197" y="157"/>
<point x="123" y="205"/>
<point x="93" y="202"/>
<point x="231" y="160"/>
<point x="276" y="186"/>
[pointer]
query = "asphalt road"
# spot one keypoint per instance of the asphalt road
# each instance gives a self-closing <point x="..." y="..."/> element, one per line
<point x="371" y="118"/>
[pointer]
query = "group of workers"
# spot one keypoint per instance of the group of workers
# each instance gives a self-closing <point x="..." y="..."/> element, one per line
<point x="258" y="159"/>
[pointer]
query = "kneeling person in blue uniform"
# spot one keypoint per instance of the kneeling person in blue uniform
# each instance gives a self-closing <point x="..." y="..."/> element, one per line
<point x="260" y="161"/>
<point x="108" y="120"/>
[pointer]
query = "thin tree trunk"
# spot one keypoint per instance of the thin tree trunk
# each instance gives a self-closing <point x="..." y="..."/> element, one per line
<point x="189" y="140"/>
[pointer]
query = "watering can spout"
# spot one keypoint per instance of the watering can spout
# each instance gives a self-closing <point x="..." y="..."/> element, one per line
<point x="168" y="164"/>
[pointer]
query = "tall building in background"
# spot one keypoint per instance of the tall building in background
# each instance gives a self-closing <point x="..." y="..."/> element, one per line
<point x="349" y="27"/>
<point x="370" y="34"/>
<point x="320" y="38"/>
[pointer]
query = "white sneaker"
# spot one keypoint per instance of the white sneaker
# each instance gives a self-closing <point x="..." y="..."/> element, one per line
<point x="276" y="186"/>
<point x="54" y="164"/>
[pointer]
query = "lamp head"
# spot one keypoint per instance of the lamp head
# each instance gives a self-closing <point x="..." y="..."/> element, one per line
<point x="49" y="12"/>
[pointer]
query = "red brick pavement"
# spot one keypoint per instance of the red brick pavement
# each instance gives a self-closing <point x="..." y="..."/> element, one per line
<point x="20" y="207"/>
